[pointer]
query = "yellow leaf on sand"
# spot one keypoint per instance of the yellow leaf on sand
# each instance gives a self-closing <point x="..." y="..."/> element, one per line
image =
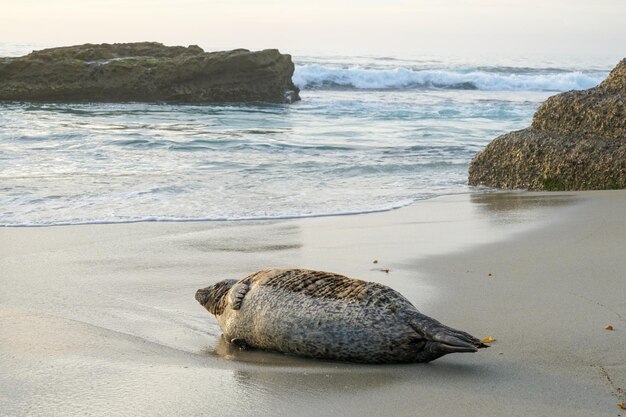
<point x="488" y="339"/>
<point x="622" y="406"/>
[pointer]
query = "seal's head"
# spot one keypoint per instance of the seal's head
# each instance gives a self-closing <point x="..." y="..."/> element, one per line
<point x="214" y="298"/>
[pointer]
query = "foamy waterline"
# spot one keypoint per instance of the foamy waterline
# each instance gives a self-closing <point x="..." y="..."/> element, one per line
<point x="322" y="76"/>
<point x="164" y="219"/>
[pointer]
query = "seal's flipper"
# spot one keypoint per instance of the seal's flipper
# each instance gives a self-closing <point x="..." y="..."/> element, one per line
<point x="237" y="293"/>
<point x="442" y="339"/>
<point x="433" y="350"/>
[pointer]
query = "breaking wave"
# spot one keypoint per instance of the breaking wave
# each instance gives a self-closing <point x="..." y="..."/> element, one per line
<point x="315" y="76"/>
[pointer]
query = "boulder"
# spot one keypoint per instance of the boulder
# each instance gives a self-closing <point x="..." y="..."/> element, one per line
<point x="577" y="141"/>
<point x="147" y="72"/>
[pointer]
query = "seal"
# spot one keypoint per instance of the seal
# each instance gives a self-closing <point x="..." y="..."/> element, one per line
<point x="329" y="316"/>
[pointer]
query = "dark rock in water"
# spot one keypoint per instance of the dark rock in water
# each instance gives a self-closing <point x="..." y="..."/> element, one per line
<point x="577" y="141"/>
<point x="534" y="159"/>
<point x="149" y="72"/>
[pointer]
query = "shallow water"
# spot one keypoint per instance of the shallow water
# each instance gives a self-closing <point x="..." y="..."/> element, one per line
<point x="370" y="134"/>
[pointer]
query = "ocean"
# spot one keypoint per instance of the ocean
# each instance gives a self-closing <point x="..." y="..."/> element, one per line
<point x="371" y="133"/>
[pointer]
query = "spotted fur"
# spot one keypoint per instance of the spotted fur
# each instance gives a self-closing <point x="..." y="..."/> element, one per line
<point x="319" y="284"/>
<point x="326" y="315"/>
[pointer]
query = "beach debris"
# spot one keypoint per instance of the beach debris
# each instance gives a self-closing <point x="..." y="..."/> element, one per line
<point x="609" y="327"/>
<point x="489" y="339"/>
<point x="375" y="261"/>
<point x="489" y="274"/>
<point x="622" y="406"/>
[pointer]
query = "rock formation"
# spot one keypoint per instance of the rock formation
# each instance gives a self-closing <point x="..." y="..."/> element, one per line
<point x="148" y="72"/>
<point x="577" y="141"/>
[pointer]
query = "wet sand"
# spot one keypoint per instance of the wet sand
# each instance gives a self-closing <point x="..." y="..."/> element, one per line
<point x="100" y="320"/>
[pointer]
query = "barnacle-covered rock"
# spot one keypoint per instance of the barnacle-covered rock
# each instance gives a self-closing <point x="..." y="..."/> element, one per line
<point x="148" y="72"/>
<point x="577" y="141"/>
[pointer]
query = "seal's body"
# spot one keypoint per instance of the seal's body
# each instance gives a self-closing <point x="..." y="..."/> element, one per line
<point x="325" y="315"/>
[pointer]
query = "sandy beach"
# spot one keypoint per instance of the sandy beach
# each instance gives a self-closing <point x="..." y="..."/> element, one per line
<point x="101" y="320"/>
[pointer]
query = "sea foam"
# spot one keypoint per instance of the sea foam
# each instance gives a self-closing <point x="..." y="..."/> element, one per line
<point x="355" y="77"/>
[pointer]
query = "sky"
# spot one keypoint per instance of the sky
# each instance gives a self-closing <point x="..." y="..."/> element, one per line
<point x="382" y="27"/>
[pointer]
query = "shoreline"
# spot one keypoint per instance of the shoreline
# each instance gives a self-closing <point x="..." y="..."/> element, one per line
<point x="116" y="300"/>
<point x="225" y="219"/>
<point x="294" y="217"/>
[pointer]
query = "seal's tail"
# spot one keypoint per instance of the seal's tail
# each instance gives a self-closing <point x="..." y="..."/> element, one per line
<point x="439" y="340"/>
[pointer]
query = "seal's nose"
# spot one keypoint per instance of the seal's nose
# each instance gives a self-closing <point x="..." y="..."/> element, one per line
<point x="202" y="296"/>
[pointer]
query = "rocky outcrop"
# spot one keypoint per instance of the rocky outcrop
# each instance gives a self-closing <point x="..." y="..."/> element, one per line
<point x="577" y="141"/>
<point x="148" y="72"/>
